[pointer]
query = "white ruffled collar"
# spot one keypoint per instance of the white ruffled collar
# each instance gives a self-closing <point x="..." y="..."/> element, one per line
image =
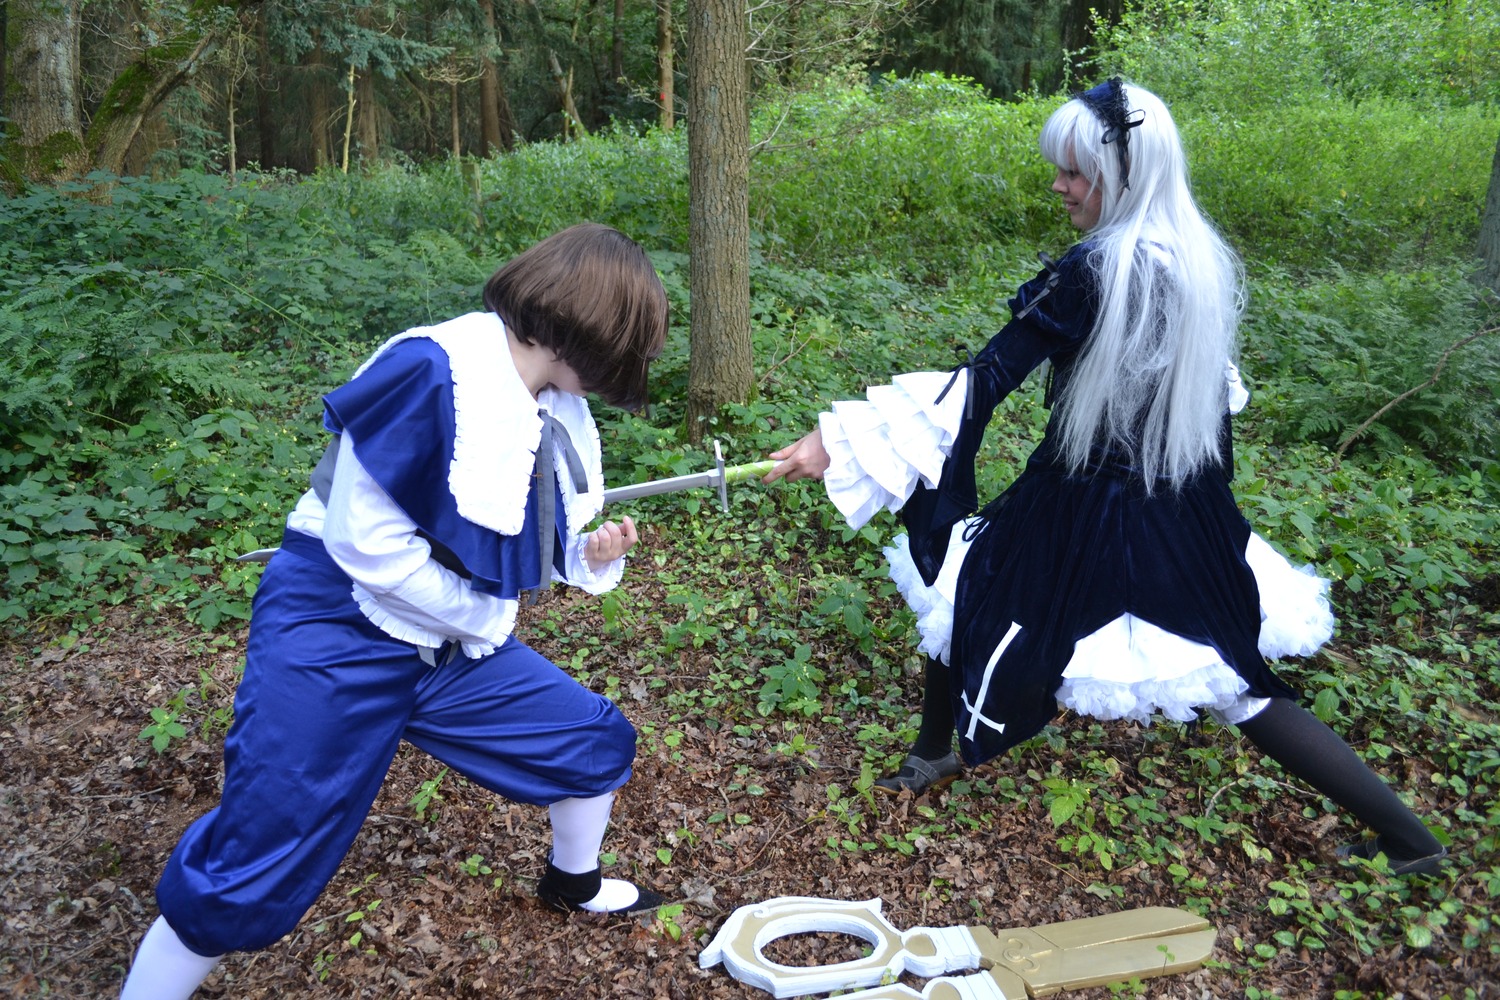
<point x="497" y="428"/>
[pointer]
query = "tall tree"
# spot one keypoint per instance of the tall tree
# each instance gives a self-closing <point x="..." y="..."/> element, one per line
<point x="157" y="71"/>
<point x="666" y="84"/>
<point x="1489" y="228"/>
<point x="721" y="364"/>
<point x="497" y="123"/>
<point x="45" y="129"/>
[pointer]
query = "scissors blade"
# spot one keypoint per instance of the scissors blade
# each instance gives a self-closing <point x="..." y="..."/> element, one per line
<point x="1076" y="954"/>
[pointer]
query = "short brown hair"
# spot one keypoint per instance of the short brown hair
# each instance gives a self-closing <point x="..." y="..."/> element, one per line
<point x="590" y="295"/>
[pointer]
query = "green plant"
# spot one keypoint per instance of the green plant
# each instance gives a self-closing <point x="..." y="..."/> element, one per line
<point x="424" y="801"/>
<point x="164" y="728"/>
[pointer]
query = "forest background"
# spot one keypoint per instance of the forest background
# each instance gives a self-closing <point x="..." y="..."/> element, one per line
<point x="179" y="284"/>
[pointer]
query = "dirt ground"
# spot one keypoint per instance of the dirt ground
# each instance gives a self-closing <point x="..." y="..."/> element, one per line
<point x="89" y="813"/>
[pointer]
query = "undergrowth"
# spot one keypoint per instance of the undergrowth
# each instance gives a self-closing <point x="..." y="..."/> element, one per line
<point x="163" y="357"/>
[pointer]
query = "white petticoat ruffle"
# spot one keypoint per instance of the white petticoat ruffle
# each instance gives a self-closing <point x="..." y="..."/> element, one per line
<point x="1130" y="668"/>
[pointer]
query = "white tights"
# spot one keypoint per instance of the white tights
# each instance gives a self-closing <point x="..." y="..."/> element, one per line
<point x="164" y="967"/>
<point x="577" y="833"/>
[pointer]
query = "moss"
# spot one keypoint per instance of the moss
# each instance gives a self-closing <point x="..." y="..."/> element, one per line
<point x="56" y="155"/>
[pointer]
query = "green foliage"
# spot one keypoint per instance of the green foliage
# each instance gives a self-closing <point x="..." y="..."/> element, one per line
<point x="164" y="727"/>
<point x="1331" y="352"/>
<point x="1304" y="185"/>
<point x="1238" y="56"/>
<point x="922" y="165"/>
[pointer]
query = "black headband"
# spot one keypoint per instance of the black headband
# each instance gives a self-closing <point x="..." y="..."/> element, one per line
<point x="1107" y="102"/>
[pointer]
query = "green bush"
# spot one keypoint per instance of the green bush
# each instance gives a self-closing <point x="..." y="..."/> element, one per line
<point x="1327" y="355"/>
<point x="1363" y="184"/>
<point x="901" y="169"/>
<point x="1239" y="57"/>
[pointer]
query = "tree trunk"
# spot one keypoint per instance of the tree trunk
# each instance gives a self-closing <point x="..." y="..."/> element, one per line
<point x="265" y="82"/>
<point x="44" y="109"/>
<point x="320" y="110"/>
<point x="572" y="124"/>
<point x="1079" y="18"/>
<point x="349" y="102"/>
<point x="454" y="121"/>
<point x="4" y="48"/>
<point x="1489" y="229"/>
<point x="721" y="364"/>
<point x="617" y="48"/>
<point x="140" y="90"/>
<point x="665" y="78"/>
<point x="497" y="123"/>
<point x="230" y="137"/>
<point x="367" y="115"/>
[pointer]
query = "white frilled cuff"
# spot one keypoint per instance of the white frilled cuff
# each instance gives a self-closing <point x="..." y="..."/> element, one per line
<point x="584" y="578"/>
<point x="882" y="446"/>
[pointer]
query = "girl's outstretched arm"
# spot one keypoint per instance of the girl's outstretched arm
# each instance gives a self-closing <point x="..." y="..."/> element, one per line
<point x="806" y="459"/>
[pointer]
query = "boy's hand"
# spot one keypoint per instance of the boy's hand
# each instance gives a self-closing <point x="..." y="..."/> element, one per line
<point x="807" y="459"/>
<point x="609" y="542"/>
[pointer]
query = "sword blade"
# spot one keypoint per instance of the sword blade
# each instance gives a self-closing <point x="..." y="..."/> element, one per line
<point x="732" y="474"/>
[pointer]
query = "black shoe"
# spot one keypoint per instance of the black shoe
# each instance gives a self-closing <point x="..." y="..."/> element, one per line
<point x="1367" y="850"/>
<point x="569" y="892"/>
<point x="918" y="774"/>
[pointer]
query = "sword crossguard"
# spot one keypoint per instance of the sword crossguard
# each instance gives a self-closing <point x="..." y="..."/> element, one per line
<point x="719" y="473"/>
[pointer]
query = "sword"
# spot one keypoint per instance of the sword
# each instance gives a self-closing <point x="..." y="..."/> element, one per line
<point x="719" y="476"/>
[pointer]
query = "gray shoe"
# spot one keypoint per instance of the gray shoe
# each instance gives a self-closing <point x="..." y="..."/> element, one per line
<point x="1430" y="864"/>
<point x="918" y="775"/>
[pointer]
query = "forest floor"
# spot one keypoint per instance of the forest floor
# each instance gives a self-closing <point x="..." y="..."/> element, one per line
<point x="443" y="906"/>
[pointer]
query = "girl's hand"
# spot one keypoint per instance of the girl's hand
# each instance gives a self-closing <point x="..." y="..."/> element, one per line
<point x="609" y="542"/>
<point x="807" y="459"/>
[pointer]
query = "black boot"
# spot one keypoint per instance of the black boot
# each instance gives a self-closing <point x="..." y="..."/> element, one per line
<point x="931" y="762"/>
<point x="581" y="892"/>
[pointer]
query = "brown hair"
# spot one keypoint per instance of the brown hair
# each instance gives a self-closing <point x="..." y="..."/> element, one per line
<point x="589" y="295"/>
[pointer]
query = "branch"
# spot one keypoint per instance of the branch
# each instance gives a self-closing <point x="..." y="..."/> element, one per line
<point x="1437" y="372"/>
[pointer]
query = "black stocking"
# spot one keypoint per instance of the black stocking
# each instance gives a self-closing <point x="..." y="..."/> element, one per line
<point x="1295" y="738"/>
<point x="935" y="737"/>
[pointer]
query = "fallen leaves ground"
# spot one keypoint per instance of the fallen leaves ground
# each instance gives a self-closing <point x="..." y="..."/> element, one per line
<point x="90" y="813"/>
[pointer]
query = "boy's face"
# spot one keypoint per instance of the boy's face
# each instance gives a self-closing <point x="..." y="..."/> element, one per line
<point x="566" y="379"/>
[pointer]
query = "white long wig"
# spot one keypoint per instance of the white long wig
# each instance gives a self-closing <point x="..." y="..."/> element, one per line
<point x="1151" y="376"/>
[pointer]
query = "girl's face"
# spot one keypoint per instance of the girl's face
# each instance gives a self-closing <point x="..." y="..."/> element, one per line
<point x="1082" y="200"/>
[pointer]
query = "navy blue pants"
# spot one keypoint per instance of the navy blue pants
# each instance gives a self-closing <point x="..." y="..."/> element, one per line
<point x="325" y="701"/>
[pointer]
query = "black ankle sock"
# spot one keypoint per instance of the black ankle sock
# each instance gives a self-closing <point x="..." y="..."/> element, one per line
<point x="1307" y="748"/>
<point x="935" y="735"/>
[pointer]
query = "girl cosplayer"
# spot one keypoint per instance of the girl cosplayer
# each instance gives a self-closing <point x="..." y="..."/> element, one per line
<point x="1115" y="575"/>
<point x="464" y="457"/>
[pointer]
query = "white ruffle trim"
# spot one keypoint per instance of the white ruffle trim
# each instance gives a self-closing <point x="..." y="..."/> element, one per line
<point x="397" y="627"/>
<point x="497" y="429"/>
<point x="880" y="447"/>
<point x="1295" y="615"/>
<point x="1130" y="668"/>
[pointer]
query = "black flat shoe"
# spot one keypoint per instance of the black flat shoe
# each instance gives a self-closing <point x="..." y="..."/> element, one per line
<point x="582" y="892"/>
<point x="918" y="775"/>
<point x="1367" y="850"/>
